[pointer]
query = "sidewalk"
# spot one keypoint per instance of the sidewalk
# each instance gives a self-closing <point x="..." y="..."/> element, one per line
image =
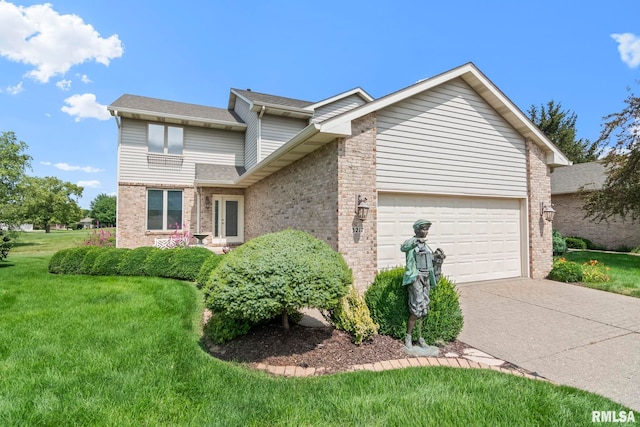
<point x="569" y="334"/>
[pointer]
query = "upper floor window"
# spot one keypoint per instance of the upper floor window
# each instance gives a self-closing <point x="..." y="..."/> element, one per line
<point x="165" y="139"/>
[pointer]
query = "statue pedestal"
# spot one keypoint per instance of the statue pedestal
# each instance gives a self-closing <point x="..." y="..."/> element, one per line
<point x="417" y="351"/>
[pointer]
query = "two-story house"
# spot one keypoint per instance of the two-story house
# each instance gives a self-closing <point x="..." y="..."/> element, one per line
<point x="452" y="148"/>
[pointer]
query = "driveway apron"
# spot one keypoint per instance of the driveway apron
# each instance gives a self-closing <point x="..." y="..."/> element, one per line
<point x="569" y="334"/>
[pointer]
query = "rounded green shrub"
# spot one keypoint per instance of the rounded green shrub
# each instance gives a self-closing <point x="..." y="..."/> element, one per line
<point x="55" y="263"/>
<point x="278" y="274"/>
<point x="86" y="266"/>
<point x="205" y="270"/>
<point x="188" y="261"/>
<point x="6" y="243"/>
<point x="134" y="262"/>
<point x="565" y="271"/>
<point x="160" y="262"/>
<point x="73" y="259"/>
<point x="387" y="302"/>
<point x="352" y="316"/>
<point x="559" y="244"/>
<point x="575" y="243"/>
<point x="222" y="328"/>
<point x="108" y="262"/>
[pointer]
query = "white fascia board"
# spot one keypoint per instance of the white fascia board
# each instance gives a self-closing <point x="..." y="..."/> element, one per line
<point x="239" y="126"/>
<point x="356" y="91"/>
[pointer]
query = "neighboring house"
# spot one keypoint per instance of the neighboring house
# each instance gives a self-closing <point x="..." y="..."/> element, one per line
<point x="86" y="222"/>
<point x="452" y="148"/>
<point x="570" y="218"/>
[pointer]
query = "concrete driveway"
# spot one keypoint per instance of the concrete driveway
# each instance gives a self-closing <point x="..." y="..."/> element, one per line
<point x="568" y="334"/>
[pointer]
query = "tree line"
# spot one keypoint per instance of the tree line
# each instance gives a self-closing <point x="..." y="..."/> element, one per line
<point x="43" y="201"/>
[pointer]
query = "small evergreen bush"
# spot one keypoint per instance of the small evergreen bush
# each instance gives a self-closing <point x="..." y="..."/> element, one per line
<point x="202" y="279"/>
<point x="108" y="262"/>
<point x="73" y="259"/>
<point x="6" y="243"/>
<point x="55" y="263"/>
<point x="565" y="271"/>
<point x="278" y="274"/>
<point x="160" y="262"/>
<point x="387" y="301"/>
<point x="221" y="328"/>
<point x="134" y="262"/>
<point x="575" y="243"/>
<point x="559" y="244"/>
<point x="86" y="266"/>
<point x="187" y="262"/>
<point x="352" y="316"/>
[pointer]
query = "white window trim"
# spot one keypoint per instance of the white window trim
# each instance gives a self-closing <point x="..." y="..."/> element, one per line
<point x="165" y="144"/>
<point x="165" y="205"/>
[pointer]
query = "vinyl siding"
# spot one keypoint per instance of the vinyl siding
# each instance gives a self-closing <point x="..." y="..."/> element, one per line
<point x="448" y="140"/>
<point x="276" y="131"/>
<point x="341" y="106"/>
<point x="242" y="109"/>
<point x="200" y="146"/>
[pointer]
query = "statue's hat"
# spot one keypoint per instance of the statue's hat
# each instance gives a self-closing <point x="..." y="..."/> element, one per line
<point x="419" y="223"/>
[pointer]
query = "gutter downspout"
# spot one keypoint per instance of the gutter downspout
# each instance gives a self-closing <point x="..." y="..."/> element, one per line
<point x="198" y="204"/>
<point x="259" y="142"/>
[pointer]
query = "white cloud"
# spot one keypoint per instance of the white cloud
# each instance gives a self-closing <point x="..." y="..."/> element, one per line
<point x="14" y="90"/>
<point x="92" y="184"/>
<point x="84" y="78"/>
<point x="46" y="163"/>
<point x="629" y="48"/>
<point x="67" y="167"/>
<point x="85" y="106"/>
<point x="64" y="84"/>
<point x="37" y="35"/>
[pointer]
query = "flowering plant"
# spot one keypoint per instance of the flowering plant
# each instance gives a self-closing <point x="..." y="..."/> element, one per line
<point x="181" y="237"/>
<point x="595" y="271"/>
<point x="102" y="238"/>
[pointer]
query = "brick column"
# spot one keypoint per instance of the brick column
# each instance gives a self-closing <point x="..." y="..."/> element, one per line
<point x="357" y="240"/>
<point x="540" y="231"/>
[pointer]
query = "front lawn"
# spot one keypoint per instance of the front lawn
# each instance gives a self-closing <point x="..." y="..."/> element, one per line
<point x="124" y="351"/>
<point x="624" y="270"/>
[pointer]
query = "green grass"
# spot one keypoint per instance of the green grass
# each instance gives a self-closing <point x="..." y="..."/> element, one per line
<point x="624" y="270"/>
<point x="48" y="243"/>
<point x="115" y="351"/>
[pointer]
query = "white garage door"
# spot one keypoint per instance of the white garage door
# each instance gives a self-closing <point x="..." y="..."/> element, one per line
<point x="480" y="236"/>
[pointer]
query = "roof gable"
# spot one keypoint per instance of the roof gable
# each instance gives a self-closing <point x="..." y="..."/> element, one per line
<point x="481" y="84"/>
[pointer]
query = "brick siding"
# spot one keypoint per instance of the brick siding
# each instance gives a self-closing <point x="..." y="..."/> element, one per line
<point x="540" y="230"/>
<point x="612" y="234"/>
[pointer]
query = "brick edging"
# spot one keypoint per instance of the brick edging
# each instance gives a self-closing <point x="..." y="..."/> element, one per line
<point x="453" y="362"/>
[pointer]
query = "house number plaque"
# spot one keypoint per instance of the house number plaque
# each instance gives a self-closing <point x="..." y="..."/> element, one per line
<point x="358" y="230"/>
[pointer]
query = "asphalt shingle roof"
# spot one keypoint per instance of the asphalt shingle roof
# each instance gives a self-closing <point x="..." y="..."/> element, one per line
<point x="569" y="179"/>
<point x="266" y="99"/>
<point x="214" y="172"/>
<point x="161" y="106"/>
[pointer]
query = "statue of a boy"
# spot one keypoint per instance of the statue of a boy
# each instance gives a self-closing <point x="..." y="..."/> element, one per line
<point x="422" y="273"/>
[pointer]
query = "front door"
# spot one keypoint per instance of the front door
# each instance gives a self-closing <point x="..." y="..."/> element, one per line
<point x="228" y="219"/>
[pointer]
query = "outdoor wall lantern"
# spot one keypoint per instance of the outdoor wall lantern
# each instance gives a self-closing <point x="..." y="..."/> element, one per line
<point x="547" y="211"/>
<point x="362" y="208"/>
<point x="207" y="202"/>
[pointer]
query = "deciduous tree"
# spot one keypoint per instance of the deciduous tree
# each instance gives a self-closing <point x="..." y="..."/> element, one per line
<point x="50" y="200"/>
<point x="13" y="165"/>
<point x="620" y="194"/>
<point x="103" y="210"/>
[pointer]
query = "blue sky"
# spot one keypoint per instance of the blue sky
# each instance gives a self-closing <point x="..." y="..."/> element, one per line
<point x="62" y="63"/>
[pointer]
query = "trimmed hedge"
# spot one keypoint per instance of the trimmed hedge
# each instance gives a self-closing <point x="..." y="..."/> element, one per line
<point x="182" y="264"/>
<point x="387" y="302"/>
<point x="207" y="267"/>
<point x="187" y="262"/>
<point x="108" y="262"/>
<point x="134" y="262"/>
<point x="575" y="243"/>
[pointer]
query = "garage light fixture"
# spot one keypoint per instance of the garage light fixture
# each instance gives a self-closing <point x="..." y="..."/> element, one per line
<point x="362" y="208"/>
<point x="547" y="211"/>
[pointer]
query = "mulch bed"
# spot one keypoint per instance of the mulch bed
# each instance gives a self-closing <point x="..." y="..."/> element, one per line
<point x="311" y="347"/>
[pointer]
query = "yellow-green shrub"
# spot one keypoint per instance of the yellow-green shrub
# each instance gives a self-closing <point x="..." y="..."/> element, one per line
<point x="352" y="315"/>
